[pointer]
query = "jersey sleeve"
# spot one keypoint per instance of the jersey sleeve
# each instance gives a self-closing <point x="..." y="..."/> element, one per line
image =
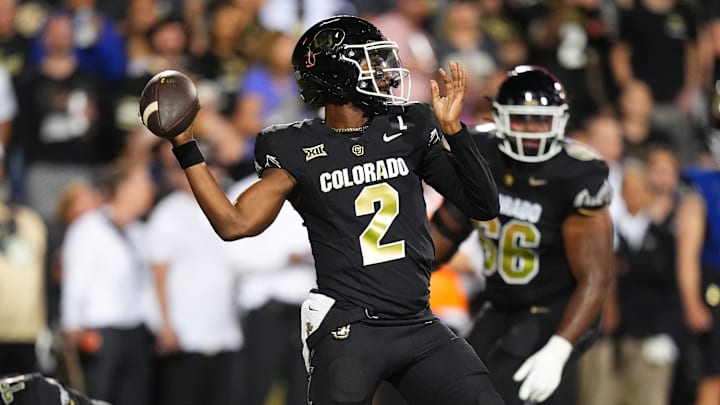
<point x="459" y="173"/>
<point x="272" y="151"/>
<point x="590" y="191"/>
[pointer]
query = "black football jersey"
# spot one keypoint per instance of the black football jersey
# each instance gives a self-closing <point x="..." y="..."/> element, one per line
<point x="524" y="253"/>
<point x="362" y="204"/>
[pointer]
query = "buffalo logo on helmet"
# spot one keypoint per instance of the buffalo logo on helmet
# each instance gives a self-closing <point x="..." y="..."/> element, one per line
<point x="327" y="39"/>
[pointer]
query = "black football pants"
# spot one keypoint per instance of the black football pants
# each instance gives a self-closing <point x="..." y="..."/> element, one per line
<point x="504" y="340"/>
<point x="426" y="362"/>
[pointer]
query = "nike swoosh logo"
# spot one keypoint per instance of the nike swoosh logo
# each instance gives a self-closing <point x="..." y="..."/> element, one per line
<point x="388" y="138"/>
<point x="533" y="182"/>
<point x="312" y="309"/>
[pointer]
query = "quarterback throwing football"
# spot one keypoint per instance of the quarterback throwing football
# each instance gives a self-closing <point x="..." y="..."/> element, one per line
<point x="356" y="178"/>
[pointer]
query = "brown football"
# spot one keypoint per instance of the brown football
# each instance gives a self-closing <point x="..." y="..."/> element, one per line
<point x="168" y="103"/>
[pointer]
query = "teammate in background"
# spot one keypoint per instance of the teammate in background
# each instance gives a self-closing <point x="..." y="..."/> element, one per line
<point x="548" y="254"/>
<point x="355" y="177"/>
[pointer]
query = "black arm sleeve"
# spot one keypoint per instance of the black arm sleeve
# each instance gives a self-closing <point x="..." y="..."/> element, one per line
<point x="462" y="176"/>
<point x="453" y="225"/>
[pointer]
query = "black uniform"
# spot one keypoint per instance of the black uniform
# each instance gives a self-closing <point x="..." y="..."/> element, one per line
<point x="528" y="276"/>
<point x="362" y="202"/>
<point x="35" y="389"/>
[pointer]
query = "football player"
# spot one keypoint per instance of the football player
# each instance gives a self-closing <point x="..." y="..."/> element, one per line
<point x="356" y="177"/>
<point x="36" y="389"/>
<point x="547" y="256"/>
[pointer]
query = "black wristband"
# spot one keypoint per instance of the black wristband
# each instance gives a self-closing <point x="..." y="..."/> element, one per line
<point x="188" y="154"/>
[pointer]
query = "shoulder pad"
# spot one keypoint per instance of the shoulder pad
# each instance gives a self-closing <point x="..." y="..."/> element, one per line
<point x="291" y="125"/>
<point x="580" y="151"/>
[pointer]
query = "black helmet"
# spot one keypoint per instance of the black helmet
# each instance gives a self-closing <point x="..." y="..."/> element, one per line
<point x="345" y="59"/>
<point x="530" y="92"/>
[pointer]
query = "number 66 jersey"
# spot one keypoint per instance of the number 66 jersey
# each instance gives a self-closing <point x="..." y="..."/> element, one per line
<point x="361" y="199"/>
<point x="524" y="259"/>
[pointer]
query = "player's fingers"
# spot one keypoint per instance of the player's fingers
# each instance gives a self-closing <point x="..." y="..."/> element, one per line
<point x="461" y="87"/>
<point x="434" y="91"/>
<point x="444" y="76"/>
<point x="451" y="69"/>
<point x="535" y="392"/>
<point x="523" y="371"/>
<point x="453" y="82"/>
<point x="542" y="396"/>
<point x="524" y="393"/>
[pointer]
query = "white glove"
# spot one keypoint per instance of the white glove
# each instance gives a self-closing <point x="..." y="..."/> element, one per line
<point x="659" y="349"/>
<point x="542" y="371"/>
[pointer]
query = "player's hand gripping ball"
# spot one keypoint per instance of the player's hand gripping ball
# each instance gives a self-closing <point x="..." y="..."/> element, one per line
<point x="168" y="103"/>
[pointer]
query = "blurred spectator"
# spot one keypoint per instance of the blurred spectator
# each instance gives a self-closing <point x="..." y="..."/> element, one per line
<point x="404" y="24"/>
<point x="713" y="32"/>
<point x="295" y="16"/>
<point x="168" y="40"/>
<point x="462" y="39"/>
<point x="77" y="199"/>
<point x="96" y="42"/>
<point x="199" y="337"/>
<point x="698" y="270"/>
<point x="635" y="108"/>
<point x="571" y="38"/>
<point x="141" y="17"/>
<point x="504" y="33"/>
<point x="105" y="301"/>
<point x="14" y="47"/>
<point x="63" y="123"/>
<point x="225" y="63"/>
<point x="646" y="325"/>
<point x="277" y="273"/>
<point x="268" y="93"/>
<point x="604" y="134"/>
<point x="114" y="9"/>
<point x="133" y="140"/>
<point x="23" y="250"/>
<point x="8" y="110"/>
<point x="658" y="44"/>
<point x="195" y="16"/>
<point x="15" y="60"/>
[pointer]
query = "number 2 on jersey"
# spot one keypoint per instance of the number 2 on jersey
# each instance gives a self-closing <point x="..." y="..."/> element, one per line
<point x="511" y="249"/>
<point x="388" y="199"/>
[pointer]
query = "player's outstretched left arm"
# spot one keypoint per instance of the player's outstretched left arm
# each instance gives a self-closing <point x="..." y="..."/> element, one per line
<point x="475" y="192"/>
<point x="253" y="211"/>
<point x="588" y="243"/>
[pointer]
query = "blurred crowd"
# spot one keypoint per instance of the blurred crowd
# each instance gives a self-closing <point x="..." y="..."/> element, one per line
<point x="112" y="280"/>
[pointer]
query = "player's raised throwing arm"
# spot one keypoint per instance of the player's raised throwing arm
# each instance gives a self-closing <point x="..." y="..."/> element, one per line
<point x="254" y="210"/>
<point x="168" y="106"/>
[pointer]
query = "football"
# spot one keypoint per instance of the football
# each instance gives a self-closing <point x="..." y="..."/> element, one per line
<point x="168" y="103"/>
